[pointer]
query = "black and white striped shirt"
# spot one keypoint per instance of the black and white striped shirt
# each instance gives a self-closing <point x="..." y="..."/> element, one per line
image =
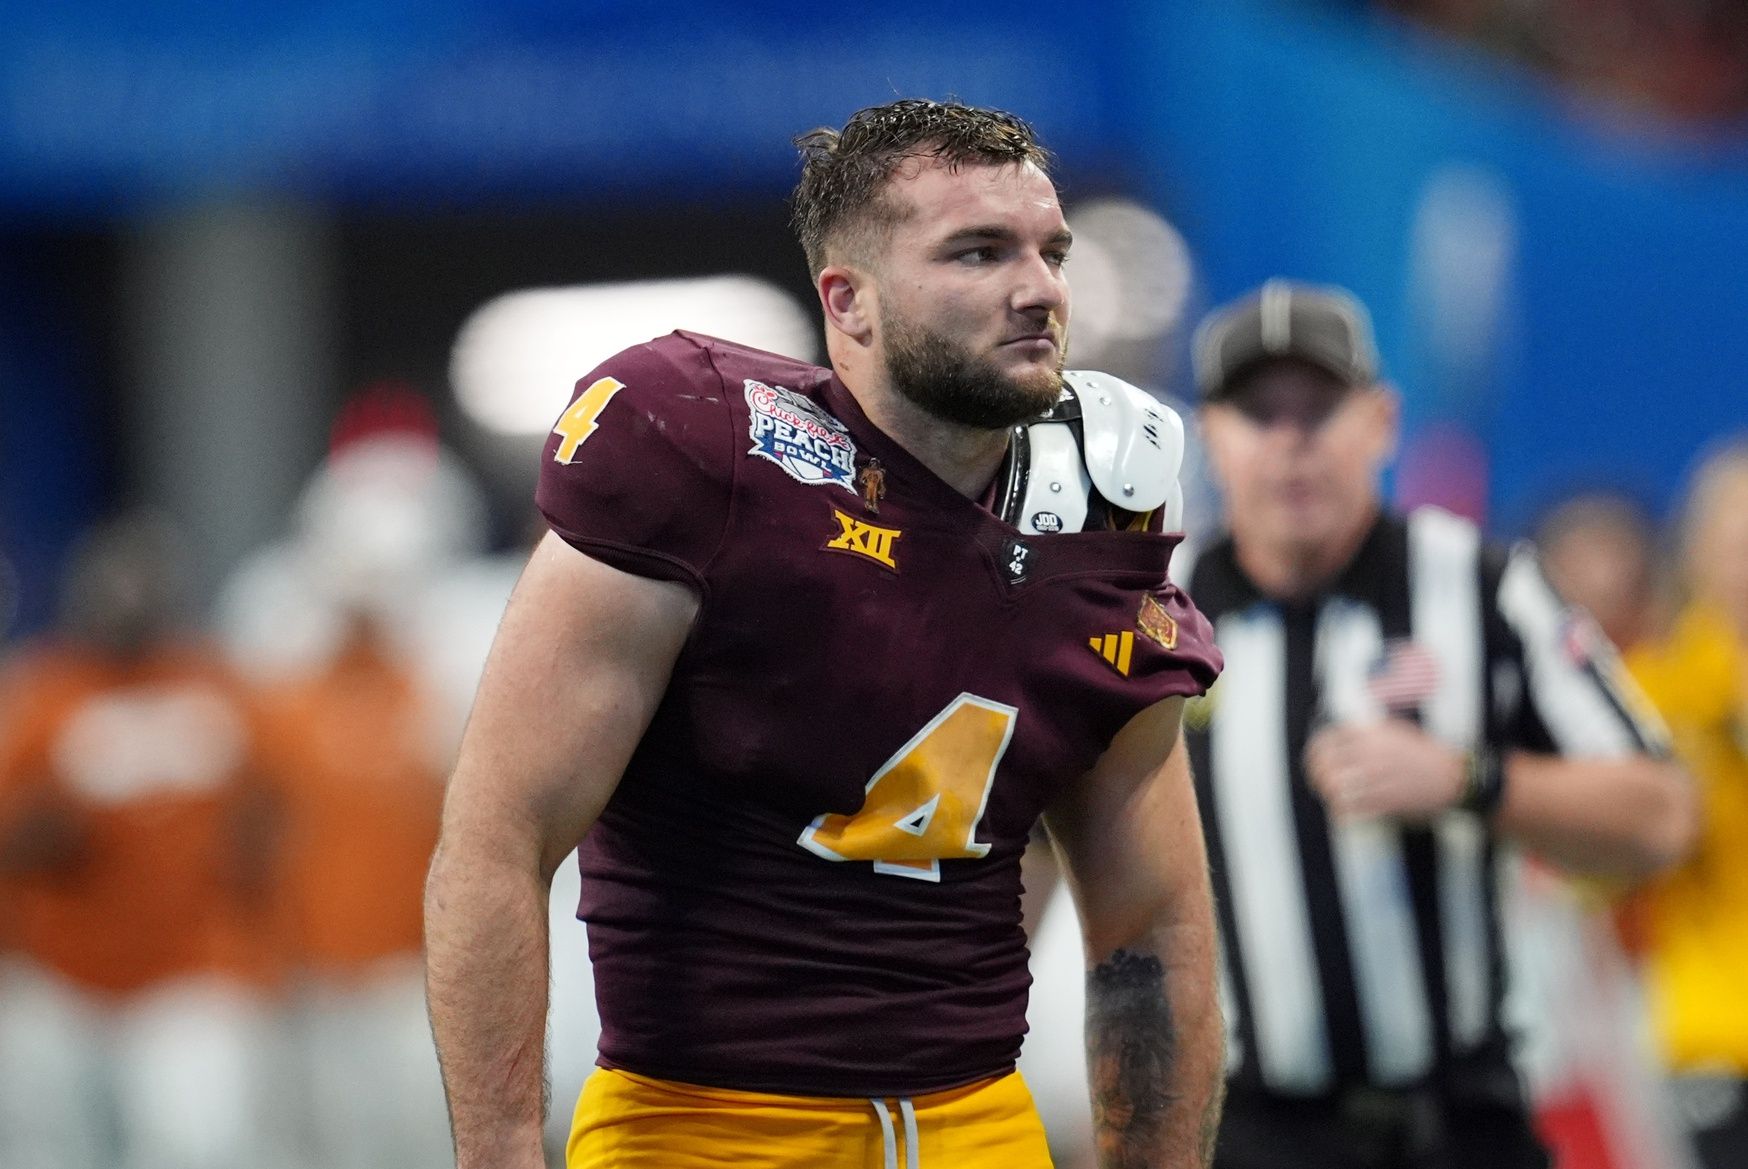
<point x="1370" y="953"/>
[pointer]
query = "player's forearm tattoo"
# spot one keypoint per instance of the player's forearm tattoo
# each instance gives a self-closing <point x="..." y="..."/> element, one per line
<point x="1131" y="1042"/>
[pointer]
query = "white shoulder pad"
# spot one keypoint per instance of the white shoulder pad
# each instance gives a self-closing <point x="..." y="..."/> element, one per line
<point x="1134" y="443"/>
<point x="1056" y="484"/>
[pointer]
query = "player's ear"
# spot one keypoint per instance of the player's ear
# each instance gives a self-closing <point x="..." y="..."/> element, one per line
<point x="846" y="296"/>
<point x="1386" y="407"/>
<point x="1214" y="421"/>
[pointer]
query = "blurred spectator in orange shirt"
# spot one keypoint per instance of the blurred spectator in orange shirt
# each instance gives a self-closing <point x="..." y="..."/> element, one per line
<point x="351" y="746"/>
<point x="358" y="741"/>
<point x="133" y="865"/>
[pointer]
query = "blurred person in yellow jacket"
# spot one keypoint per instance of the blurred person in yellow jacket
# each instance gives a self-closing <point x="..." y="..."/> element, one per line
<point x="1698" y="914"/>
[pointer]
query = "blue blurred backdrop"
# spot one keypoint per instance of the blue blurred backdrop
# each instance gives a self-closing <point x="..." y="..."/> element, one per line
<point x="1555" y="282"/>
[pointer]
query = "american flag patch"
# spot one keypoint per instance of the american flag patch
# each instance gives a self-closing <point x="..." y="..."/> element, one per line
<point x="1403" y="675"/>
<point x="1579" y="635"/>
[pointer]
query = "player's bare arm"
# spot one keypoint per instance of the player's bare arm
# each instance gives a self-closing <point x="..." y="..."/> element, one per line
<point x="1624" y="817"/>
<point x="1131" y="844"/>
<point x="578" y="668"/>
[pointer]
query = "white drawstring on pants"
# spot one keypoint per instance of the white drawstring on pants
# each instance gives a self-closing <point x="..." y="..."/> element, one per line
<point x="889" y="1138"/>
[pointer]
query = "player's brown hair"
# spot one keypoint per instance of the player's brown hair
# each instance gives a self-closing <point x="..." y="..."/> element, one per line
<point x="841" y="197"/>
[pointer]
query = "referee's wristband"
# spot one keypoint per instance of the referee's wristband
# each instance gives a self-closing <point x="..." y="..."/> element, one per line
<point x="1483" y="782"/>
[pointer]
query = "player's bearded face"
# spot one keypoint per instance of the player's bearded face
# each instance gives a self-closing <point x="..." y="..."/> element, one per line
<point x="950" y="380"/>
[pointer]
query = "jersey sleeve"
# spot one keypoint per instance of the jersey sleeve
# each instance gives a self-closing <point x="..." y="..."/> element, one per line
<point x="1170" y="618"/>
<point x="637" y="471"/>
<point x="1577" y="698"/>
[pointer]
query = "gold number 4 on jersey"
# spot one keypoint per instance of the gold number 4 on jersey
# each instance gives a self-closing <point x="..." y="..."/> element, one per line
<point x="924" y="804"/>
<point x="578" y="423"/>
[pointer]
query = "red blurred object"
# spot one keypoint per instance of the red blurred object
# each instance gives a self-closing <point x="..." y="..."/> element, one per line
<point x="383" y="408"/>
<point x="1572" y="1128"/>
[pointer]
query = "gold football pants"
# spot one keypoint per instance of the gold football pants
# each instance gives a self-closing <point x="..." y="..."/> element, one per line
<point x="626" y="1121"/>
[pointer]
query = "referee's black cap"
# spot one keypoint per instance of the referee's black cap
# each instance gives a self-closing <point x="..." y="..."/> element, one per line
<point x="1324" y="325"/>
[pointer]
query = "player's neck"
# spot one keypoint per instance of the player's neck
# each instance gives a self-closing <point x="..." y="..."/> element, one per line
<point x="1293" y="571"/>
<point x="966" y="458"/>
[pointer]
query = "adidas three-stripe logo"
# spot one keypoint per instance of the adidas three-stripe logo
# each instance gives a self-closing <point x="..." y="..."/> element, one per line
<point x="1115" y="648"/>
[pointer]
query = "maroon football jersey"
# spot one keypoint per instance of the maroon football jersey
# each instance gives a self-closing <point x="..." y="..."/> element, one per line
<point x="808" y="879"/>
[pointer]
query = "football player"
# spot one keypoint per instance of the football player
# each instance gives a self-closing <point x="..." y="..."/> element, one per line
<point x="806" y="655"/>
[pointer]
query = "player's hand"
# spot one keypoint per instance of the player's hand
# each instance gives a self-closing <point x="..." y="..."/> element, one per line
<point x="1387" y="768"/>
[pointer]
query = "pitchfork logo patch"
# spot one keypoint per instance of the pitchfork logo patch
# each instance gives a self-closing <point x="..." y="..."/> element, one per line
<point x="791" y="431"/>
<point x="1156" y="623"/>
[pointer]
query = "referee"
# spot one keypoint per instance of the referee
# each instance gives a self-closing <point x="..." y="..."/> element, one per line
<point x="1401" y="703"/>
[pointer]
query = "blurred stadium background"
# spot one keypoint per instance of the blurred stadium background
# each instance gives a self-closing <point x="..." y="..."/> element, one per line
<point x="220" y="225"/>
<point x="215" y="229"/>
